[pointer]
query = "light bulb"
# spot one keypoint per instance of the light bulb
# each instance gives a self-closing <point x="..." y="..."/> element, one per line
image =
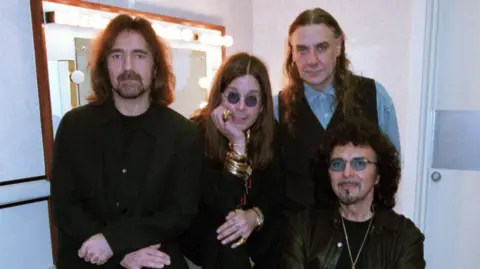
<point x="77" y="76"/>
<point x="227" y="41"/>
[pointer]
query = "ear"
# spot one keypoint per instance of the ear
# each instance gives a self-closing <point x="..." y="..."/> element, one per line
<point x="338" y="45"/>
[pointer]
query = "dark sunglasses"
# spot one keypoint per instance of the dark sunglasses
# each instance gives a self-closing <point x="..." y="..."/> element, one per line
<point x="357" y="164"/>
<point x="233" y="98"/>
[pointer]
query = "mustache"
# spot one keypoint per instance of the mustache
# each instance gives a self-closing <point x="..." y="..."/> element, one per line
<point x="348" y="181"/>
<point x="129" y="75"/>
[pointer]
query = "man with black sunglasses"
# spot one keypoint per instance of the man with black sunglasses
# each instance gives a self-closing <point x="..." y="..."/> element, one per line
<point x="354" y="224"/>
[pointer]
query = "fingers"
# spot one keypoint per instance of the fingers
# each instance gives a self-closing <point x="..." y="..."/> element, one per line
<point x="236" y="235"/>
<point x="231" y="215"/>
<point x="240" y="242"/>
<point x="156" y="253"/>
<point x="226" y="225"/>
<point x="157" y="246"/>
<point x="82" y="251"/>
<point x="89" y="256"/>
<point x="229" y="231"/>
<point x="156" y="262"/>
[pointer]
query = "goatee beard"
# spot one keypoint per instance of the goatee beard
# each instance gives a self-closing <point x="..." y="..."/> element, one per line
<point x="130" y="85"/>
<point x="130" y="91"/>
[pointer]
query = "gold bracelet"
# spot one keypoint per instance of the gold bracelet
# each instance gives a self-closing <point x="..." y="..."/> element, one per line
<point x="238" y="165"/>
<point x="260" y="218"/>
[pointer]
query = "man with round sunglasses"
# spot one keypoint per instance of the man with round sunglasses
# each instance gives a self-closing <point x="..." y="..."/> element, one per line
<point x="353" y="224"/>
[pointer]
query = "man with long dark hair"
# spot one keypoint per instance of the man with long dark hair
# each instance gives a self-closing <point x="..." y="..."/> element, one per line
<point x="353" y="224"/>
<point x="321" y="93"/>
<point x="125" y="179"/>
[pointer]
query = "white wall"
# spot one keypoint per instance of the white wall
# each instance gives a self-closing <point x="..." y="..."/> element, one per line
<point x="379" y="40"/>
<point x="23" y="229"/>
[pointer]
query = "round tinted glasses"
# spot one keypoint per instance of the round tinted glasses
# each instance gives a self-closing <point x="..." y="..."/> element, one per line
<point x="357" y="164"/>
<point x="234" y="97"/>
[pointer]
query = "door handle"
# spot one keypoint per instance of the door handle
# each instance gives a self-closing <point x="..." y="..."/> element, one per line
<point x="436" y="176"/>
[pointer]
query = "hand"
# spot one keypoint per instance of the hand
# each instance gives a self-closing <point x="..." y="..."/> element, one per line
<point x="95" y="250"/>
<point x="239" y="224"/>
<point x="149" y="257"/>
<point x="227" y="128"/>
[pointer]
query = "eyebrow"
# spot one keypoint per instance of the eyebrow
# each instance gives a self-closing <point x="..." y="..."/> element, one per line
<point x="321" y="44"/>
<point x="250" y="91"/>
<point x="116" y="50"/>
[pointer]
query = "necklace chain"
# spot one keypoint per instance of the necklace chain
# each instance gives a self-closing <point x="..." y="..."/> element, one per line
<point x="354" y="262"/>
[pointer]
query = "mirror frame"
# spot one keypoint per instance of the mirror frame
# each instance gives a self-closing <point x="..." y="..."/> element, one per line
<point x="43" y="84"/>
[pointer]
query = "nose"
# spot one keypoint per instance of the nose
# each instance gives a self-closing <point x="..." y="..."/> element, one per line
<point x="127" y="62"/>
<point x="348" y="171"/>
<point x="312" y="57"/>
<point x="241" y="104"/>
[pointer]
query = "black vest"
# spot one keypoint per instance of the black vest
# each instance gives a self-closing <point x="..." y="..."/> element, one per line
<point x="300" y="146"/>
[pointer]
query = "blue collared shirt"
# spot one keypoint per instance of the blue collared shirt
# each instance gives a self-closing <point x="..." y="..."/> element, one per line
<point x="323" y="105"/>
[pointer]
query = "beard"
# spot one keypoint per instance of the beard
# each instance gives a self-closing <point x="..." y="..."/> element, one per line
<point x="346" y="197"/>
<point x="130" y="85"/>
<point x="351" y="196"/>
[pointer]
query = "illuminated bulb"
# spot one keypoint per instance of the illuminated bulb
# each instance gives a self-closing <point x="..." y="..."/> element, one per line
<point x="187" y="35"/>
<point x="204" y="82"/>
<point x="227" y="41"/>
<point x="204" y="39"/>
<point x="77" y="76"/>
<point x="84" y="21"/>
<point x="203" y="104"/>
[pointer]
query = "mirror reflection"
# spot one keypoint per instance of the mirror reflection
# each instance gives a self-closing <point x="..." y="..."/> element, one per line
<point x="196" y="54"/>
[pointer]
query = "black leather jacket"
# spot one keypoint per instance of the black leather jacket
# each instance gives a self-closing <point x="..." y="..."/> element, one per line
<point x="315" y="240"/>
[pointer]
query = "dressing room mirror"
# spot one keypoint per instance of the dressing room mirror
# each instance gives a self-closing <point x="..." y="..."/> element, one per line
<point x="197" y="50"/>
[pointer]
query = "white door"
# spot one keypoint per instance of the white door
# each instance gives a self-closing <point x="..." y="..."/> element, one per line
<point x="453" y="190"/>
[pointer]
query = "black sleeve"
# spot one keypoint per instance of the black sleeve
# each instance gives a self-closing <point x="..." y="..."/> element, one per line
<point x="66" y="196"/>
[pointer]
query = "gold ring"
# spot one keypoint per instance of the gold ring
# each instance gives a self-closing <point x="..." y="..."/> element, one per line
<point x="240" y="242"/>
<point x="226" y="115"/>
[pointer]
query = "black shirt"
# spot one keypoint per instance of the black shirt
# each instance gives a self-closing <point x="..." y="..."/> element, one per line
<point x="356" y="233"/>
<point x="126" y="164"/>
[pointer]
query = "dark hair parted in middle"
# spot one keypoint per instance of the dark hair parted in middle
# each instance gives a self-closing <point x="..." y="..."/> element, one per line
<point x="260" y="147"/>
<point x="343" y="81"/>
<point x="359" y="132"/>
<point x="163" y="85"/>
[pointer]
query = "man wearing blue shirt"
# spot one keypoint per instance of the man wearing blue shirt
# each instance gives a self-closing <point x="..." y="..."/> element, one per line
<point x="322" y="92"/>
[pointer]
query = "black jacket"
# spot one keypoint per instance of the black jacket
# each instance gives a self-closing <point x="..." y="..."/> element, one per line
<point x="161" y="208"/>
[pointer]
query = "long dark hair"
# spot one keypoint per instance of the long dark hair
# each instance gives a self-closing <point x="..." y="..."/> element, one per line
<point x="260" y="147"/>
<point x="343" y="79"/>
<point x="359" y="132"/>
<point x="163" y="86"/>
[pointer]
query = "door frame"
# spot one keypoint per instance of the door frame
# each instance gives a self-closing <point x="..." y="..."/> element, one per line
<point x="420" y="117"/>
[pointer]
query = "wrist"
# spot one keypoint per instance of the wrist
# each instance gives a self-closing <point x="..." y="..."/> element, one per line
<point x="259" y="219"/>
<point x="238" y="146"/>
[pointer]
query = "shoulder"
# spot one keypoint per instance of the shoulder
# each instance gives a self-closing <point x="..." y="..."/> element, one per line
<point x="82" y="113"/>
<point x="382" y="94"/>
<point x="174" y="120"/>
<point x="310" y="218"/>
<point x="404" y="226"/>
<point x="383" y="98"/>
<point x="79" y="119"/>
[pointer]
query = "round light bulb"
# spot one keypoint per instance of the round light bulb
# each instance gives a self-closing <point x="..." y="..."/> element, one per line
<point x="227" y="41"/>
<point x="187" y="35"/>
<point x="77" y="76"/>
<point x="203" y="104"/>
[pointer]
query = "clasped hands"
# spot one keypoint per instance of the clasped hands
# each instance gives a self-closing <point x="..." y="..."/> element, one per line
<point x="96" y="250"/>
<point x="238" y="226"/>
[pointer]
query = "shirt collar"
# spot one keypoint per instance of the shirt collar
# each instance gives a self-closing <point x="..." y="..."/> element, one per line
<point x="311" y="94"/>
